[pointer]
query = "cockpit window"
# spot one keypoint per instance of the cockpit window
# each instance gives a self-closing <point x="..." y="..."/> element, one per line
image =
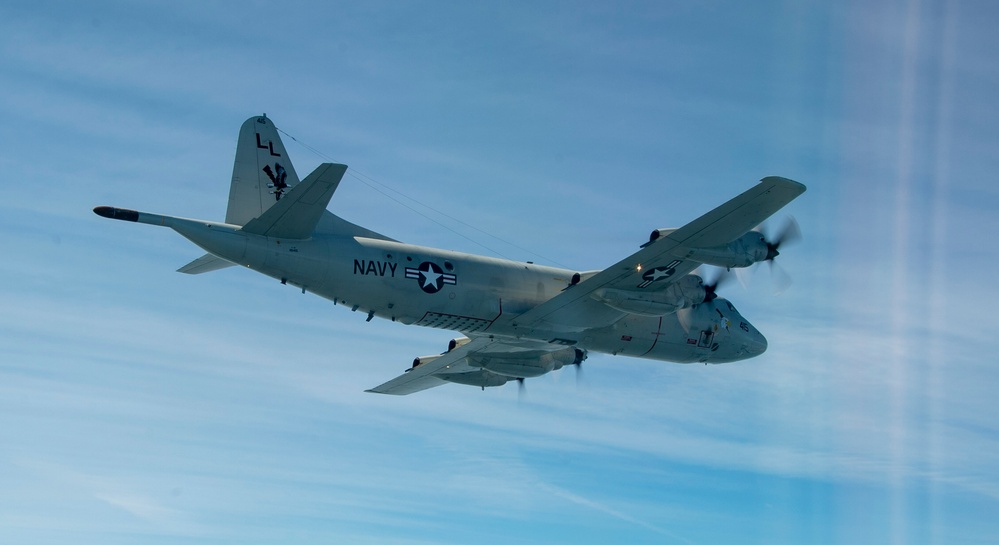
<point x="730" y="307"/>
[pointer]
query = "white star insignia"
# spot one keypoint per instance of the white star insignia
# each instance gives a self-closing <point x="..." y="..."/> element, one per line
<point x="659" y="274"/>
<point x="430" y="278"/>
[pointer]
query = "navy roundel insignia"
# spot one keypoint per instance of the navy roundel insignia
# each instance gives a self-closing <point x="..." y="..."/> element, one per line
<point x="659" y="273"/>
<point x="431" y="277"/>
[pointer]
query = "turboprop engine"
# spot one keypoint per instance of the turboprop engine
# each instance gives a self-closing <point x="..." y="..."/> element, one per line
<point x="481" y="378"/>
<point x="683" y="293"/>
<point x="528" y="364"/>
<point x="752" y="247"/>
<point x="741" y="252"/>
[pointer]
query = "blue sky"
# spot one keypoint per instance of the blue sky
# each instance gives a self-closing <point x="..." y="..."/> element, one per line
<point x="138" y="405"/>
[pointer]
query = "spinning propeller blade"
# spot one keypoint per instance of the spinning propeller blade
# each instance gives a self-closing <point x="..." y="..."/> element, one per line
<point x="711" y="288"/>
<point x="790" y="232"/>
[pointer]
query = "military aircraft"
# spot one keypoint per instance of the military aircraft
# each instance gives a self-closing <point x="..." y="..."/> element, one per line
<point x="518" y="320"/>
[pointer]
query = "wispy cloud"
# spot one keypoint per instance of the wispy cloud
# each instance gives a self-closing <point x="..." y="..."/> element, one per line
<point x="226" y="407"/>
<point x="596" y="506"/>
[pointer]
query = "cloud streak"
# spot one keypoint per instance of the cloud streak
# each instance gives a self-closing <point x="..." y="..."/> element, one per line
<point x="138" y="402"/>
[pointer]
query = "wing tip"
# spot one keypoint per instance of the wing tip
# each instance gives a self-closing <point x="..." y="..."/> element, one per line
<point x="786" y="182"/>
<point x="376" y="390"/>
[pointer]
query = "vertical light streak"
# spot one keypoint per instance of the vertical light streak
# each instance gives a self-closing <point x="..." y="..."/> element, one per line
<point x="900" y="278"/>
<point x="938" y="257"/>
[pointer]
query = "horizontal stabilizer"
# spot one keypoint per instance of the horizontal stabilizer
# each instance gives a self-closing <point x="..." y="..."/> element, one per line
<point x="205" y="263"/>
<point x="295" y="216"/>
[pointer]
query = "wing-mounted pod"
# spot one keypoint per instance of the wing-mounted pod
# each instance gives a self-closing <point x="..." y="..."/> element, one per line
<point x="683" y="293"/>
<point x="423" y="360"/>
<point x="658" y="234"/>
<point x="451" y="345"/>
<point x="457" y="343"/>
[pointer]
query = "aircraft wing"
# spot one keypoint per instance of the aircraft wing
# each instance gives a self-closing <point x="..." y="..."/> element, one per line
<point x="486" y="352"/>
<point x="665" y="260"/>
<point x="423" y="376"/>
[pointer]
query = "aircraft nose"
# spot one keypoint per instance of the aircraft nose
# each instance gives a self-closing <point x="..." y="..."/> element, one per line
<point x="756" y="344"/>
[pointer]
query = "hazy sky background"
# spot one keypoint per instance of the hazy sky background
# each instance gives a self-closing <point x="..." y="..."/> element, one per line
<point x="138" y="405"/>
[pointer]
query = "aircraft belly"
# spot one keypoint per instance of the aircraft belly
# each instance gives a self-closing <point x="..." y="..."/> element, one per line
<point x="222" y="241"/>
<point x="629" y="336"/>
<point x="641" y="337"/>
<point x="589" y="314"/>
<point x="298" y="262"/>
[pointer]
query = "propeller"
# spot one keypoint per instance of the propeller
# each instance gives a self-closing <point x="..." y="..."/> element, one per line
<point x="579" y="371"/>
<point x="580" y="357"/>
<point x="711" y="288"/>
<point x="521" y="390"/>
<point x="790" y="232"/>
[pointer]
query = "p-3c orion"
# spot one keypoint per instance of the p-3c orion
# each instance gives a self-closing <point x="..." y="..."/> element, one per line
<point x="517" y="320"/>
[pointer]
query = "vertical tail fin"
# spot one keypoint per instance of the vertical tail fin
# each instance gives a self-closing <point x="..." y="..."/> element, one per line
<point x="262" y="172"/>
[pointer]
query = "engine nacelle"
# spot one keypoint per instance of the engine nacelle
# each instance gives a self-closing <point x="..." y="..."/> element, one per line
<point x="683" y="293"/>
<point x="741" y="252"/>
<point x="481" y="378"/>
<point x="529" y="364"/>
